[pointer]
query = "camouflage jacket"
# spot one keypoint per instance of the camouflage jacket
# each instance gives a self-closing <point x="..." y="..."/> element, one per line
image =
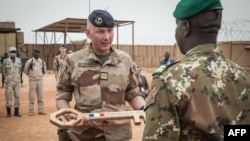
<point x="58" y="60"/>
<point x="12" y="70"/>
<point x="99" y="87"/>
<point x="192" y="99"/>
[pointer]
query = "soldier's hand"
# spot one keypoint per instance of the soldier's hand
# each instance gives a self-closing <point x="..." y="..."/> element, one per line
<point x="72" y="116"/>
<point x="83" y="121"/>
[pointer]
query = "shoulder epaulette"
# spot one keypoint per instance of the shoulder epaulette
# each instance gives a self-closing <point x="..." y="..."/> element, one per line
<point x="159" y="70"/>
<point x="177" y="61"/>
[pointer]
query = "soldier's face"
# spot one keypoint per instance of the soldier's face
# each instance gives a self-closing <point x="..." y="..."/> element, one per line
<point x="36" y="54"/>
<point x="102" y="39"/>
<point x="12" y="54"/>
<point x="63" y="50"/>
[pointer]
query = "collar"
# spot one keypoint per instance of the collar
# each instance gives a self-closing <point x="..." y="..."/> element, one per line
<point x="62" y="57"/>
<point x="114" y="57"/>
<point x="204" y="48"/>
<point x="35" y="58"/>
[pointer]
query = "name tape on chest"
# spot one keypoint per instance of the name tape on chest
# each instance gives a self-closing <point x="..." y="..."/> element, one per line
<point x="86" y="64"/>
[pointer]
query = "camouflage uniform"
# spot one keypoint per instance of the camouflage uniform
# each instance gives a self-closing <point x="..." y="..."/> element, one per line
<point x="192" y="99"/>
<point x="58" y="60"/>
<point x="12" y="71"/>
<point x="99" y="87"/>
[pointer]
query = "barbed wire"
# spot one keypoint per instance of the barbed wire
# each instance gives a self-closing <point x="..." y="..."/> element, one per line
<point x="238" y="30"/>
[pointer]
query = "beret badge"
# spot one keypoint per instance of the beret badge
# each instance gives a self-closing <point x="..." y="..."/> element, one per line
<point x="98" y="21"/>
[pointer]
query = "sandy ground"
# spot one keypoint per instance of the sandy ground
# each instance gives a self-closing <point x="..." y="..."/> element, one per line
<point x="38" y="127"/>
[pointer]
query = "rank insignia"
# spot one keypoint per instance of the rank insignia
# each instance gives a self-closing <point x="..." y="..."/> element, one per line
<point x="103" y="75"/>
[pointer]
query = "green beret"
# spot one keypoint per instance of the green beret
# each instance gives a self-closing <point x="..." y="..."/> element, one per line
<point x="101" y="18"/>
<point x="188" y="8"/>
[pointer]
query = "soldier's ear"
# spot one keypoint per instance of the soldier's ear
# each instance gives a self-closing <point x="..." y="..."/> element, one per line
<point x="87" y="32"/>
<point x="186" y="27"/>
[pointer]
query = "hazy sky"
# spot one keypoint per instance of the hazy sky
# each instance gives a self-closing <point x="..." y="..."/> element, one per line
<point x="154" y="21"/>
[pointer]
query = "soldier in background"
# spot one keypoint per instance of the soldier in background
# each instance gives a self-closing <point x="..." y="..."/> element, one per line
<point x="192" y="100"/>
<point x="12" y="68"/>
<point x="167" y="60"/>
<point x="101" y="79"/>
<point x="2" y="59"/>
<point x="35" y="69"/>
<point x="59" y="59"/>
<point x="143" y="83"/>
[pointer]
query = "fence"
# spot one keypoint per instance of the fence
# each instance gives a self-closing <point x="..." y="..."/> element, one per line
<point x="146" y="55"/>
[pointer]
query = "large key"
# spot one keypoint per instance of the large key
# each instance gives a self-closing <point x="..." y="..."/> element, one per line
<point x="136" y="115"/>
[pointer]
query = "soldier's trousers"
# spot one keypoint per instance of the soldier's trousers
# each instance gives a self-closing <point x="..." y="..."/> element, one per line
<point x="9" y="89"/>
<point x="36" y="90"/>
<point x="2" y="79"/>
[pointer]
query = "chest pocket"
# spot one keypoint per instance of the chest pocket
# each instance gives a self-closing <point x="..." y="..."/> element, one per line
<point x="19" y="66"/>
<point x="85" y="77"/>
<point x="8" y="67"/>
<point x="16" y="67"/>
<point x="87" y="88"/>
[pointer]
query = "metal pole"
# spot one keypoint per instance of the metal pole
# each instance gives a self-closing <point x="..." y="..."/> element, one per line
<point x="89" y="6"/>
<point x="117" y="34"/>
<point x="133" y="42"/>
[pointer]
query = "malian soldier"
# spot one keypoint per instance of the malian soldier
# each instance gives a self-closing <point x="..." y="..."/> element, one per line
<point x="192" y="99"/>
<point x="12" y="69"/>
<point x="35" y="69"/>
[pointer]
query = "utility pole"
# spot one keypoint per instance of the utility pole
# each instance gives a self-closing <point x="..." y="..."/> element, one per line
<point x="89" y="6"/>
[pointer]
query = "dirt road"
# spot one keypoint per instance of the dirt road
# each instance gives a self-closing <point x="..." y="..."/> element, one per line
<point x="38" y="127"/>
